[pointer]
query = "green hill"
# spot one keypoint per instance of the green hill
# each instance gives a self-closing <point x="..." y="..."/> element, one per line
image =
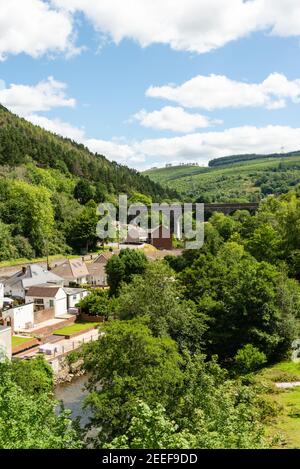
<point x="21" y="142"/>
<point x="241" y="178"/>
<point x="49" y="188"/>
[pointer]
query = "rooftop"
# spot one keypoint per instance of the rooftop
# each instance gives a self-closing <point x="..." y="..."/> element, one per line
<point x="74" y="291"/>
<point x="42" y="291"/>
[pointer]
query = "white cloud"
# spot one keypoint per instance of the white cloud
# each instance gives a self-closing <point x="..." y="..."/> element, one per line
<point x="37" y="27"/>
<point x="202" y="147"/>
<point x="123" y="153"/>
<point x="26" y="99"/>
<point x="195" y="147"/>
<point x="218" y="91"/>
<point x="190" y="25"/>
<point x="173" y="118"/>
<point x="34" y="28"/>
<point x="59" y="127"/>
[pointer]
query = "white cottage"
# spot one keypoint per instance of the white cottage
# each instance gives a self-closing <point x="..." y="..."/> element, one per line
<point x="20" y="317"/>
<point x="48" y="297"/>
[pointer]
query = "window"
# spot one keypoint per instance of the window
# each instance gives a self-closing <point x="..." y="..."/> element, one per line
<point x="51" y="303"/>
<point x="38" y="301"/>
<point x="74" y="297"/>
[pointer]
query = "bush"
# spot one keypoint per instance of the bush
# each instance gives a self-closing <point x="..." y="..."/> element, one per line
<point x="248" y="359"/>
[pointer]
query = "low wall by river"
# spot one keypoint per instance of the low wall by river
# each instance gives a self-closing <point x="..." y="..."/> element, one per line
<point x="64" y="371"/>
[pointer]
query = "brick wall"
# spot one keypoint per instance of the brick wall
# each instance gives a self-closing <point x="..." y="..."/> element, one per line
<point x="25" y="346"/>
<point x="43" y="315"/>
<point x="89" y="318"/>
<point x="48" y="330"/>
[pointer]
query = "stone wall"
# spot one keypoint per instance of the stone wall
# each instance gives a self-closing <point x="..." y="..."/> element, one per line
<point x="64" y="371"/>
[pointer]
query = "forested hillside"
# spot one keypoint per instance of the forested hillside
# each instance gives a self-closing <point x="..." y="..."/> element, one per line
<point x="49" y="188"/>
<point x="237" y="158"/>
<point x="241" y="178"/>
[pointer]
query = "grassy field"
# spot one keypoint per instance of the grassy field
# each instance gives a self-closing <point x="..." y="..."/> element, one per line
<point x="19" y="340"/>
<point x="240" y="182"/>
<point x="74" y="328"/>
<point x="285" y="427"/>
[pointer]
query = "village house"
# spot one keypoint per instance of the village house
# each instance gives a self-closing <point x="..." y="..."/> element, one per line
<point x="5" y="343"/>
<point x="74" y="295"/>
<point x="73" y="271"/>
<point x="19" y="317"/>
<point x="97" y="274"/>
<point x="33" y="274"/>
<point x="48" y="297"/>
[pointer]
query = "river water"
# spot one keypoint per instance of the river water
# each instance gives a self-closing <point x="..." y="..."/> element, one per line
<point x="72" y="395"/>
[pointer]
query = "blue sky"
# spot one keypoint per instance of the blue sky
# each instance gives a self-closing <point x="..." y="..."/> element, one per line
<point x="220" y="85"/>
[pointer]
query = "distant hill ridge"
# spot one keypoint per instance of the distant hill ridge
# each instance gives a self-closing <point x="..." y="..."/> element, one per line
<point x="247" y="157"/>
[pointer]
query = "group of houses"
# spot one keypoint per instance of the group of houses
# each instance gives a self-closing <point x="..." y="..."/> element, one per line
<point x="35" y="300"/>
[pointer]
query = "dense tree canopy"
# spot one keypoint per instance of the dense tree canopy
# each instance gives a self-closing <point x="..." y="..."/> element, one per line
<point x="129" y="363"/>
<point x="27" y="410"/>
<point x="122" y="268"/>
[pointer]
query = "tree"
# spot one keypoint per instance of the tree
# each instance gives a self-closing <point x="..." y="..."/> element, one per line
<point x="122" y="268"/>
<point x="83" y="235"/>
<point x="27" y="416"/>
<point x="115" y="271"/>
<point x="245" y="301"/>
<point x="29" y="209"/>
<point x="7" y="248"/>
<point x="225" y="225"/>
<point x="264" y="244"/>
<point x="97" y="303"/>
<point x="158" y="296"/>
<point x="249" y="359"/>
<point x="83" y="191"/>
<point x="152" y="429"/>
<point x="212" y="412"/>
<point x="33" y="376"/>
<point x="126" y="364"/>
<point x="220" y="413"/>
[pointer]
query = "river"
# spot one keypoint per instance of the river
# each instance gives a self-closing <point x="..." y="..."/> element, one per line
<point x="72" y="395"/>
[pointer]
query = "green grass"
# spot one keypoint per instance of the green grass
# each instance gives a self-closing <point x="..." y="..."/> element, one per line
<point x="282" y="372"/>
<point x="285" y="427"/>
<point x="19" y="340"/>
<point x="53" y="258"/>
<point x="73" y="328"/>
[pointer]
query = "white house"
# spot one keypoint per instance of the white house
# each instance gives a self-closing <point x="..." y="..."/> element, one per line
<point x="5" y="342"/>
<point x="20" y="317"/>
<point x="29" y="276"/>
<point x="48" y="297"/>
<point x="74" y="295"/>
